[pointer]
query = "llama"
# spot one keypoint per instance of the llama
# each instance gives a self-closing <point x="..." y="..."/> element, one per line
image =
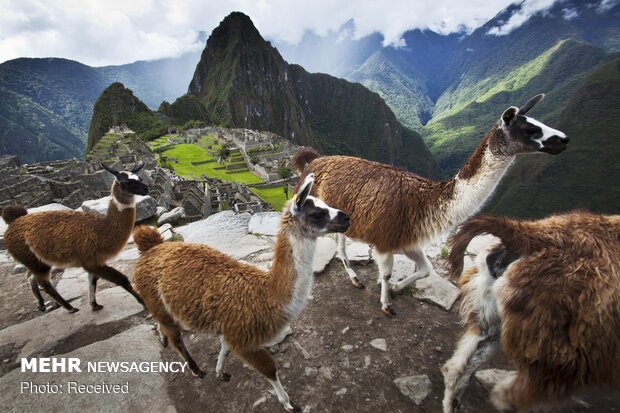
<point x="395" y="210"/>
<point x="196" y="288"/>
<point x="75" y="239"/>
<point x="548" y="294"/>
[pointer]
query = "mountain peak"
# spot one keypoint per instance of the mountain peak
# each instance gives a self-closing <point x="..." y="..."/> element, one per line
<point x="236" y="27"/>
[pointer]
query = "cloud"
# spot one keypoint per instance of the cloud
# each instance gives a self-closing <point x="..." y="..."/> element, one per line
<point x="520" y="16"/>
<point x="103" y="32"/>
<point x="569" y="13"/>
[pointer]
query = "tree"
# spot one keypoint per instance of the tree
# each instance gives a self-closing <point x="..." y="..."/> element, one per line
<point x="223" y="153"/>
<point x="284" y="173"/>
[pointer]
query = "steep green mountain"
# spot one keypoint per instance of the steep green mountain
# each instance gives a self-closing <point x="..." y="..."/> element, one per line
<point x="557" y="71"/>
<point x="244" y="82"/>
<point x="405" y="95"/>
<point x="117" y="105"/>
<point x="32" y="132"/>
<point x="186" y="108"/>
<point x="66" y="88"/>
<point x="586" y="175"/>
<point x="57" y="97"/>
<point x="435" y="76"/>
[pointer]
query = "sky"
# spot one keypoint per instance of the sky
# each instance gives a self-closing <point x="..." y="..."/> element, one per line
<point x="106" y="32"/>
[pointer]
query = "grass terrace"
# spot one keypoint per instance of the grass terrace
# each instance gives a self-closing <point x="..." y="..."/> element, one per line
<point x="187" y="153"/>
<point x="274" y="196"/>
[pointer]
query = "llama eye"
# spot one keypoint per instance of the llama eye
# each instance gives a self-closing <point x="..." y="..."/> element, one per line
<point x="318" y="214"/>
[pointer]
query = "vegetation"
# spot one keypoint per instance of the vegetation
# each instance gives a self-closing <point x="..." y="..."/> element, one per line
<point x="284" y="173"/>
<point x="557" y="71"/>
<point x="581" y="177"/>
<point x="181" y="157"/>
<point x="116" y="106"/>
<point x="275" y="196"/>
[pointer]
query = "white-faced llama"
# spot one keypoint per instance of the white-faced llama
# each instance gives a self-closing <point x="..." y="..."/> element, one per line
<point x="75" y="239"/>
<point x="548" y="294"/>
<point x="194" y="287"/>
<point x="398" y="211"/>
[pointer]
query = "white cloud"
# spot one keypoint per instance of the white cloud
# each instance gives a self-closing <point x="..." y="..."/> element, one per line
<point x="528" y="8"/>
<point x="102" y="32"/>
<point x="569" y="13"/>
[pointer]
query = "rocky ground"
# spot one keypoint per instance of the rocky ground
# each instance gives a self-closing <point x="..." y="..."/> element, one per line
<point x="342" y="354"/>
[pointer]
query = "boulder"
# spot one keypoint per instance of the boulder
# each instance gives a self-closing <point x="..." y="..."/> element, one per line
<point x="325" y="251"/>
<point x="226" y="232"/>
<point x="265" y="223"/>
<point x="379" y="344"/>
<point x="171" y="217"/>
<point x="433" y="289"/>
<point x="414" y="387"/>
<point x="145" y="206"/>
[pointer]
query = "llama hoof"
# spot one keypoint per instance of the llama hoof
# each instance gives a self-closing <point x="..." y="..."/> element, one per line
<point x="292" y="407"/>
<point x="96" y="307"/>
<point x="199" y="374"/>
<point x="225" y="377"/>
<point x="388" y="311"/>
<point x="357" y="283"/>
<point x="72" y="310"/>
<point x="42" y="308"/>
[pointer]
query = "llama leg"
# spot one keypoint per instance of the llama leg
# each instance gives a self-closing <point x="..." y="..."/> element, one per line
<point x="117" y="277"/>
<point x="163" y="339"/>
<point x="262" y="361"/>
<point x="424" y="268"/>
<point x="503" y="393"/>
<point x="472" y="350"/>
<point x="42" y="274"/>
<point x="92" y="289"/>
<point x="173" y="333"/>
<point x="385" y="261"/>
<point x="221" y="359"/>
<point x="48" y="287"/>
<point x="342" y="256"/>
<point x="34" y="286"/>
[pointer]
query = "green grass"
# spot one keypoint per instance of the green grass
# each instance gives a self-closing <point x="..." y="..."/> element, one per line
<point x="161" y="141"/>
<point x="187" y="153"/>
<point x="275" y="196"/>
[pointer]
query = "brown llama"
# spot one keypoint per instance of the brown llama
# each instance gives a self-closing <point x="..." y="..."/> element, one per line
<point x="196" y="288"/>
<point x="398" y="211"/>
<point x="75" y="239"/>
<point x="548" y="294"/>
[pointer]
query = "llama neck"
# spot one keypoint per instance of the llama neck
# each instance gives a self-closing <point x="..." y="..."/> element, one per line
<point x="121" y="213"/>
<point x="478" y="178"/>
<point x="291" y="272"/>
<point x="121" y="199"/>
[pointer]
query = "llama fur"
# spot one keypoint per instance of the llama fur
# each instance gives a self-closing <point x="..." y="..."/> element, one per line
<point x="397" y="211"/>
<point x="554" y="308"/>
<point x="73" y="239"/>
<point x="197" y="288"/>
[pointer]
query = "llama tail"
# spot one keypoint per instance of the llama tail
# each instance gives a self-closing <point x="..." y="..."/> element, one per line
<point x="146" y="237"/>
<point x="516" y="236"/>
<point x="12" y="212"/>
<point x="303" y="157"/>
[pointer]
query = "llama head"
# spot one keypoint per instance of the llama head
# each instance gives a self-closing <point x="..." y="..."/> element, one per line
<point x="525" y="134"/>
<point x="127" y="181"/>
<point x="313" y="215"/>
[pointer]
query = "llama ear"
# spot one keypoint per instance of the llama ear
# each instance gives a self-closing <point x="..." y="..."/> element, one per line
<point x="112" y="171"/>
<point x="510" y="115"/>
<point x="136" y="168"/>
<point x="304" y="191"/>
<point x="530" y="103"/>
